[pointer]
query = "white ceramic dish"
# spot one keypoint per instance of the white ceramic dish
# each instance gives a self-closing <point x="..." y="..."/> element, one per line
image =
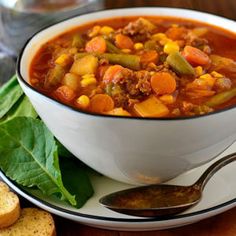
<point x="219" y="195"/>
<point x="131" y="150"/>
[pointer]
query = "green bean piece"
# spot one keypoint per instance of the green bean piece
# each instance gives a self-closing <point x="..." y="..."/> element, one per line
<point x="221" y="98"/>
<point x="112" y="48"/>
<point x="150" y="45"/>
<point x="126" y="60"/>
<point x="77" y="41"/>
<point x="82" y="54"/>
<point x="54" y="76"/>
<point x="202" y="109"/>
<point x="108" y="89"/>
<point x="162" y="58"/>
<point x="116" y="90"/>
<point x="113" y="89"/>
<point x="179" y="64"/>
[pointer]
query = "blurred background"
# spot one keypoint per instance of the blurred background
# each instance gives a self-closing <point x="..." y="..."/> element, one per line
<point x="20" y="19"/>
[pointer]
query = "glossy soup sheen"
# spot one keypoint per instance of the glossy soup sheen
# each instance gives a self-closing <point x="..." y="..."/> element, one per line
<point x="140" y="66"/>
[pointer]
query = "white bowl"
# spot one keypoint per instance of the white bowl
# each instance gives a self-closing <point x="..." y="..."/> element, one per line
<point x="131" y="150"/>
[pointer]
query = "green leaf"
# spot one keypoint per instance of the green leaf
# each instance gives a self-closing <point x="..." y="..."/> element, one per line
<point x="22" y="107"/>
<point x="10" y="92"/>
<point x="62" y="151"/>
<point x="76" y="180"/>
<point x="28" y="155"/>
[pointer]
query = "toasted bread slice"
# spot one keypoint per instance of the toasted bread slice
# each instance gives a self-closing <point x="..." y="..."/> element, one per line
<point x="9" y="206"/>
<point x="32" y="222"/>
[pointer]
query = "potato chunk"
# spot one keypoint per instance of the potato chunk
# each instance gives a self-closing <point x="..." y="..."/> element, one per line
<point x="118" y="112"/>
<point x="72" y="81"/>
<point x="85" y="65"/>
<point x="151" y="107"/>
<point x="54" y="77"/>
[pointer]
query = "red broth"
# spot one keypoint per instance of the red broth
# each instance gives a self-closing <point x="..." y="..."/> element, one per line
<point x="140" y="66"/>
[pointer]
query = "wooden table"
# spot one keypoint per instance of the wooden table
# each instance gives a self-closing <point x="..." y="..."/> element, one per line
<point x="223" y="224"/>
<point x="220" y="225"/>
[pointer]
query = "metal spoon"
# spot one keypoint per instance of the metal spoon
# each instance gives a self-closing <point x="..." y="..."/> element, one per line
<point x="161" y="200"/>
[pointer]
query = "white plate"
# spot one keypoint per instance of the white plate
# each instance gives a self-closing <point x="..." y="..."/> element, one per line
<point x="219" y="195"/>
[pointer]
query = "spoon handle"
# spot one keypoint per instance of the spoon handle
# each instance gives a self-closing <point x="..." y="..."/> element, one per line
<point x="211" y="170"/>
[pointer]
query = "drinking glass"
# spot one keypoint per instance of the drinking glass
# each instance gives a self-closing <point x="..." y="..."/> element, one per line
<point x="20" y="19"/>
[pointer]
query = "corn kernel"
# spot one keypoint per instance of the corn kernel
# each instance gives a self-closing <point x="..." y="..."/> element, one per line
<point x="95" y="31"/>
<point x="126" y="50"/>
<point x="159" y="36"/>
<point x="198" y="71"/>
<point x="152" y="73"/>
<point x="73" y="50"/>
<point x="63" y="59"/>
<point x="216" y="74"/>
<point x="167" y="99"/>
<point x="208" y="79"/>
<point x="86" y="76"/>
<point x="175" y="25"/>
<point x="138" y="46"/>
<point x="88" y="79"/>
<point x="171" y="47"/>
<point x="83" y="101"/>
<point x="106" y="30"/>
<point x="205" y="76"/>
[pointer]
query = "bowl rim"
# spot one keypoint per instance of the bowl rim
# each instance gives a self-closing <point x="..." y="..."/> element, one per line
<point x="164" y="9"/>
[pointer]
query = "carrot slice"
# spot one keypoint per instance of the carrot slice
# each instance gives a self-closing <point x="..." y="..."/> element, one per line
<point x="149" y="56"/>
<point x="112" y="74"/>
<point x="101" y="103"/>
<point x="123" y="42"/>
<point x="163" y="83"/>
<point x="195" y="56"/>
<point x="97" y="44"/>
<point x="65" y="94"/>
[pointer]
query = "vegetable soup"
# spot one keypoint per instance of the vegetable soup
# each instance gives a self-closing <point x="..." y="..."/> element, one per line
<point x="140" y="66"/>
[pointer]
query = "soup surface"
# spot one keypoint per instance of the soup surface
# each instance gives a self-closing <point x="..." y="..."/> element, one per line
<point x="140" y="66"/>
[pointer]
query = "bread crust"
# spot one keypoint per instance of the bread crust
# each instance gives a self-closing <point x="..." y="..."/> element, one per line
<point x="33" y="221"/>
<point x="9" y="206"/>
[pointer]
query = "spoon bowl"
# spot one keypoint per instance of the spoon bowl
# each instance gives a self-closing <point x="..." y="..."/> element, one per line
<point x="162" y="200"/>
<point x="150" y="201"/>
